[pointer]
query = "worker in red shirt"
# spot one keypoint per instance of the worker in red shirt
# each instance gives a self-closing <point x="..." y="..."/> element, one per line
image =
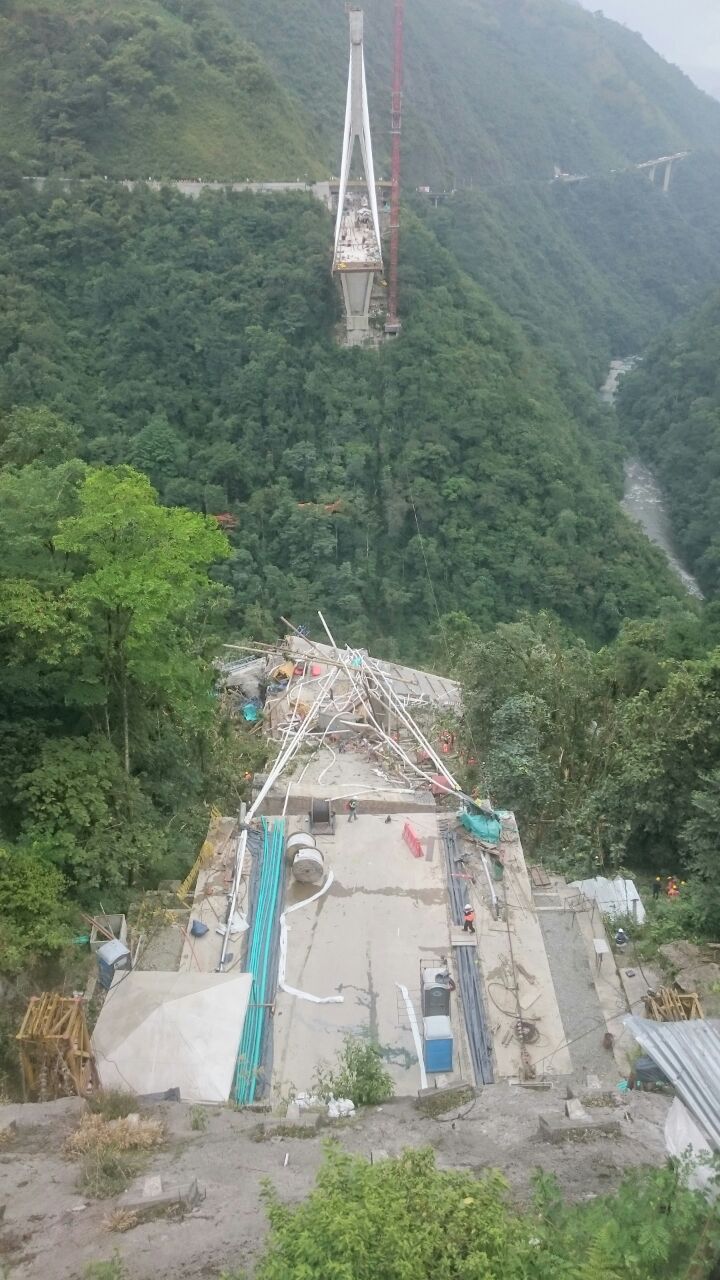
<point x="468" y="918"/>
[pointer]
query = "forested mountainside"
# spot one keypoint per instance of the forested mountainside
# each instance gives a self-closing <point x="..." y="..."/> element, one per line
<point x="493" y="88"/>
<point x="146" y="87"/>
<point x="230" y="89"/>
<point x="591" y="270"/>
<point x="670" y="408"/>
<point x="195" y="341"/>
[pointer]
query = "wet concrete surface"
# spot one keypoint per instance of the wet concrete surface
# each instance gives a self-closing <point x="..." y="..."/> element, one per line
<point x="385" y="912"/>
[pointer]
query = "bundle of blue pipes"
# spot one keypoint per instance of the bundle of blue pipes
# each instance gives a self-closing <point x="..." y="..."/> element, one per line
<point x="261" y="948"/>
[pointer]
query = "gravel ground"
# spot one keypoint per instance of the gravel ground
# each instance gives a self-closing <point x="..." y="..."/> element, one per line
<point x="582" y="1016"/>
<point x="48" y="1229"/>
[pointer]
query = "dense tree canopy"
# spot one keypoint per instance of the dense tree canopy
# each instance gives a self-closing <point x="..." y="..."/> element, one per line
<point x="610" y="758"/>
<point x="164" y="361"/>
<point x="195" y="340"/>
<point x="152" y="87"/>
<point x="594" y="269"/>
<point x="108" y="728"/>
<point x="494" y="90"/>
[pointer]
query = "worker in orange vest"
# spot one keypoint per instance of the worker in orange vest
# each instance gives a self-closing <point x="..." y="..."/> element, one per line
<point x="468" y="918"/>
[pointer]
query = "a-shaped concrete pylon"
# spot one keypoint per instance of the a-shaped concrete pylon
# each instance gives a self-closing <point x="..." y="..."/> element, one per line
<point x="358" y="253"/>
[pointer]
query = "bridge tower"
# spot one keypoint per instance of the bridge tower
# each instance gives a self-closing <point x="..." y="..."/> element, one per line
<point x="358" y="253"/>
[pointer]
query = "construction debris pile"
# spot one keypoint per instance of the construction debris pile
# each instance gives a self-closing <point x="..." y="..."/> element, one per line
<point x="314" y="695"/>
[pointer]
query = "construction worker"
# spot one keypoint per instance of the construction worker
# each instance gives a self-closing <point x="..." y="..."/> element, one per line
<point x="352" y="810"/>
<point x="657" y="886"/>
<point x="468" y="918"/>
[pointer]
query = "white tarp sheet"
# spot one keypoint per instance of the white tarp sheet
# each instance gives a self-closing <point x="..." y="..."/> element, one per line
<point x="159" y="1031"/>
<point x="617" y="897"/>
<point x="684" y="1138"/>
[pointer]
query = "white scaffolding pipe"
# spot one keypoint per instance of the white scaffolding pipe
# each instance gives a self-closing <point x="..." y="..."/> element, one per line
<point x="384" y="687"/>
<point x="285" y="756"/>
<point x="410" y="724"/>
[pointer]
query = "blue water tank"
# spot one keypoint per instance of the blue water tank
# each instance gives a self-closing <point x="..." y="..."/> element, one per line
<point x="438" y="1038"/>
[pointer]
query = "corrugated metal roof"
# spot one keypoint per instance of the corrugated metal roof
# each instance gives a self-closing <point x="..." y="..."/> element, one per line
<point x="689" y="1054"/>
<point x="618" y="897"/>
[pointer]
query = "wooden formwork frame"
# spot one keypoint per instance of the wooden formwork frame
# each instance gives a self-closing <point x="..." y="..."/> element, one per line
<point x="672" y="1004"/>
<point x="55" y="1050"/>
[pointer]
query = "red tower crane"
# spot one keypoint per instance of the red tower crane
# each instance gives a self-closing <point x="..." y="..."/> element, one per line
<point x="392" y="327"/>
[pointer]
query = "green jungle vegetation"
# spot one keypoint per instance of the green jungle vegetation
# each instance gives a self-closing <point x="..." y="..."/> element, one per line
<point x="158" y="88"/>
<point x="670" y="408"/>
<point x="610" y="757"/>
<point x="591" y="270"/>
<point x="232" y="88"/>
<point x="363" y="1221"/>
<point x="195" y="342"/>
<point x="111" y="738"/>
<point x="164" y="361"/>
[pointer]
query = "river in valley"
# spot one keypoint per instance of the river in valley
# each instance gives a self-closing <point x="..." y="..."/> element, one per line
<point x="643" y="500"/>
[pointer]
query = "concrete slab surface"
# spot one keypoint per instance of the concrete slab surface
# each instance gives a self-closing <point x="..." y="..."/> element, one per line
<point x="385" y="913"/>
<point x="617" y="993"/>
<point x="201" y="955"/>
<point x="515" y="965"/>
<point x="358" y="770"/>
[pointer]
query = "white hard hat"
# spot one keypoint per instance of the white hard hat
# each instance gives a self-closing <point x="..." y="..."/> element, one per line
<point x="468" y="906"/>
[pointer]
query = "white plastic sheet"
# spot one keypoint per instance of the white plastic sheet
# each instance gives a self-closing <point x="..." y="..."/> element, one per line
<point x="282" y="967"/>
<point x="684" y="1138"/>
<point x="412" y="1017"/>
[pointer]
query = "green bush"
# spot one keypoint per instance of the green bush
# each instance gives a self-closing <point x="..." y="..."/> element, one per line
<point x="406" y="1218"/>
<point x="114" y="1269"/>
<point x="113" y="1104"/>
<point x="199" y="1119"/>
<point x="358" y="1074"/>
<point x="109" y="1172"/>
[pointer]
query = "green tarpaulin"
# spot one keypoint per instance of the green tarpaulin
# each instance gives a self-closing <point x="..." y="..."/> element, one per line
<point x="485" y="828"/>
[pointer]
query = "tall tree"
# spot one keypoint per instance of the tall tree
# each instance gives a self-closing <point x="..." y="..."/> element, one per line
<point x="139" y="589"/>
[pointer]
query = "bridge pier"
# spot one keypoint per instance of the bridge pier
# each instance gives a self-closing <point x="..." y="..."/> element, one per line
<point x="357" y="290"/>
<point x="665" y="165"/>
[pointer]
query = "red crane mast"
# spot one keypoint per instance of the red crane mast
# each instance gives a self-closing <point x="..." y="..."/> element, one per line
<point x="392" y="326"/>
